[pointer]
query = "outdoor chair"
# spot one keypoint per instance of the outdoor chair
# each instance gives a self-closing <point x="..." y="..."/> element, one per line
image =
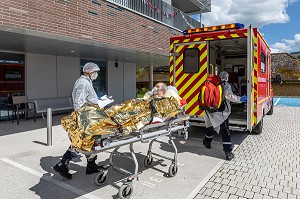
<point x="21" y="105"/>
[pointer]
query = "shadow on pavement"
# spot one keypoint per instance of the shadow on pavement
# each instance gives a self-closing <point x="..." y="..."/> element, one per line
<point x="194" y="143"/>
<point x="8" y="128"/>
<point x="83" y="181"/>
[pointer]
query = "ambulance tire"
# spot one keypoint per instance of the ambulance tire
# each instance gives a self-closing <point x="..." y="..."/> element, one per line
<point x="271" y="110"/>
<point x="258" y="129"/>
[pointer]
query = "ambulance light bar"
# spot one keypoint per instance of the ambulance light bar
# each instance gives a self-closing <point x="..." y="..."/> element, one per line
<point x="214" y="28"/>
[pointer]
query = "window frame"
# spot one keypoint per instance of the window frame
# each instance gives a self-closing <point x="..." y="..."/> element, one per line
<point x="262" y="54"/>
<point x="198" y="62"/>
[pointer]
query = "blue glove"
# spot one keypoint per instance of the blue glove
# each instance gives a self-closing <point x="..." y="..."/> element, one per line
<point x="243" y="98"/>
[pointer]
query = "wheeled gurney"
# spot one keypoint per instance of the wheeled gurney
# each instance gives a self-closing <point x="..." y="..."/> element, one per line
<point x="148" y="134"/>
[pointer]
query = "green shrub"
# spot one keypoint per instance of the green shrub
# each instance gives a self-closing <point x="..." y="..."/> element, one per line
<point x="140" y="93"/>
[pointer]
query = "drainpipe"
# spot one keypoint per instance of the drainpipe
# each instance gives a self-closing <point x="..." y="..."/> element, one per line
<point x="150" y="77"/>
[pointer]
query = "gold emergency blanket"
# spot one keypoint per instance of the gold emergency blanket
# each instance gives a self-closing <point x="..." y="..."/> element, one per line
<point x="90" y="122"/>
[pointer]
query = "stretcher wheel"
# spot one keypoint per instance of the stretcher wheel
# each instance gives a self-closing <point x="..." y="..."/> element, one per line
<point x="173" y="170"/>
<point x="148" y="160"/>
<point x="125" y="191"/>
<point x="100" y="178"/>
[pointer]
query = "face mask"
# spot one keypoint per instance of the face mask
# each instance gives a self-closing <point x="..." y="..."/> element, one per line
<point x="94" y="76"/>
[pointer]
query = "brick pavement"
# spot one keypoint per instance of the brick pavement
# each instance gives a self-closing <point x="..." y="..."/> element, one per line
<point x="266" y="165"/>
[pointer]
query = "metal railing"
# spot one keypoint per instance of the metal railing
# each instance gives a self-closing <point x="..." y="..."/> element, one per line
<point x="160" y="11"/>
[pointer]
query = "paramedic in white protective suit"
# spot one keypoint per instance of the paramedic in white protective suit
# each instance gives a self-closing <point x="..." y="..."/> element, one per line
<point x="218" y="121"/>
<point x="83" y="92"/>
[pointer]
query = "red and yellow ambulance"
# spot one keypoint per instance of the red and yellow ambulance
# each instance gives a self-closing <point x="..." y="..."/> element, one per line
<point x="240" y="51"/>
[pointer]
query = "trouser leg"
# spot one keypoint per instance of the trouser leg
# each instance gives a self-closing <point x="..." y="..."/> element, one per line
<point x="209" y="134"/>
<point x="226" y="138"/>
<point x="208" y="137"/>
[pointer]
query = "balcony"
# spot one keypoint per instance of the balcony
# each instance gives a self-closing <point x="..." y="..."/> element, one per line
<point x="165" y="13"/>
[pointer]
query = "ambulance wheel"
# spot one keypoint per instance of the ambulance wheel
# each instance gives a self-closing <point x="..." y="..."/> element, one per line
<point x="100" y="178"/>
<point x="148" y="160"/>
<point x="125" y="191"/>
<point x="173" y="170"/>
<point x="271" y="110"/>
<point x="258" y="129"/>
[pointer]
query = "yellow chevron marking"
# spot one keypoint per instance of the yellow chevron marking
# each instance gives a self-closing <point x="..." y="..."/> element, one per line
<point x="234" y="35"/>
<point x="222" y="37"/>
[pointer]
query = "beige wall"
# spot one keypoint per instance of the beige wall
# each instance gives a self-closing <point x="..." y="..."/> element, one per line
<point x="50" y="76"/>
<point x="121" y="81"/>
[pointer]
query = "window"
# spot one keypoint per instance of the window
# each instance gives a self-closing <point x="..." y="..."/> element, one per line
<point x="99" y="84"/>
<point x="262" y="62"/>
<point x="191" y="59"/>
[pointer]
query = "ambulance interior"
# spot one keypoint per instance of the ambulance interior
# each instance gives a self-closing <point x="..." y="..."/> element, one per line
<point x="231" y="55"/>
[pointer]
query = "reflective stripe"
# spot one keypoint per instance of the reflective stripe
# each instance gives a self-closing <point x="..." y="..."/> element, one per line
<point x="202" y="94"/>
<point x="227" y="143"/>
<point x="221" y="95"/>
<point x="209" y="136"/>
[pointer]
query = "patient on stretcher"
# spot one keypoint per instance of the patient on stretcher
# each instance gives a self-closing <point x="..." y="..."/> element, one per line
<point x="122" y="119"/>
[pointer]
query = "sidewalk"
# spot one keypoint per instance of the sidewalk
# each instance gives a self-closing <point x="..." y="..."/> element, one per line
<point x="266" y="165"/>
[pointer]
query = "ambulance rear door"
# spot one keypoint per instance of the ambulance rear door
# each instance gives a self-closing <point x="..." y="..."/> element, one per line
<point x="189" y="62"/>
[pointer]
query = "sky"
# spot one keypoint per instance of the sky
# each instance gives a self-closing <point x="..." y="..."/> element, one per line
<point x="277" y="20"/>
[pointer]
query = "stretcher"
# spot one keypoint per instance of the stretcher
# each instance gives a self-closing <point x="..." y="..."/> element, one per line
<point x="148" y="134"/>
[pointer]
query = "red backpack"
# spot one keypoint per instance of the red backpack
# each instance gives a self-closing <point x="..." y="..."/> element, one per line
<point x="211" y="94"/>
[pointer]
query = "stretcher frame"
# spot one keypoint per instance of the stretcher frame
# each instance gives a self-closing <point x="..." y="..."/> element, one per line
<point x="148" y="134"/>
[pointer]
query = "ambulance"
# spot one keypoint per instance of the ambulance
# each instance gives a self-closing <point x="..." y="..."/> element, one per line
<point x="240" y="51"/>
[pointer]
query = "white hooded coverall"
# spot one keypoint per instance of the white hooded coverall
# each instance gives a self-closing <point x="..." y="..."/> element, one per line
<point x="217" y="118"/>
<point x="83" y="92"/>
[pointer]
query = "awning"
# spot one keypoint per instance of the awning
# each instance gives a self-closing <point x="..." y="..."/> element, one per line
<point x="22" y="40"/>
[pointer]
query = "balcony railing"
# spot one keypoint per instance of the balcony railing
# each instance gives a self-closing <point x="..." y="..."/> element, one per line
<point x="159" y="11"/>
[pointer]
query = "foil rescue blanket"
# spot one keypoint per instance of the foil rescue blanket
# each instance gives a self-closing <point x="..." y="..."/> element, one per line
<point x="90" y="122"/>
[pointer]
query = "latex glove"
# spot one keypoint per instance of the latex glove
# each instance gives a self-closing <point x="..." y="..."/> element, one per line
<point x="243" y="98"/>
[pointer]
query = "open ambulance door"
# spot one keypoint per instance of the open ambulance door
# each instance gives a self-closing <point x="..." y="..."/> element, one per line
<point x="250" y="75"/>
<point x="188" y="71"/>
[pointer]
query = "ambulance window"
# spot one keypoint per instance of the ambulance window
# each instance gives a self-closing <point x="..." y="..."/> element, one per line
<point x="262" y="62"/>
<point x="191" y="60"/>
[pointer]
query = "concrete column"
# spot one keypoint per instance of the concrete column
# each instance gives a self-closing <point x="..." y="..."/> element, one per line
<point x="150" y="77"/>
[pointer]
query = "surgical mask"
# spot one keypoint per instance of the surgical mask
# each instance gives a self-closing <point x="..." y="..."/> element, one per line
<point x="225" y="79"/>
<point x="94" y="76"/>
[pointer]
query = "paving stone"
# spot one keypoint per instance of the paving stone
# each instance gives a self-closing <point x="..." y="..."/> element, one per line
<point x="210" y="184"/>
<point x="256" y="189"/>
<point x="216" y="194"/>
<point x="232" y="190"/>
<point x="264" y="191"/>
<point x="224" y="195"/>
<point x="291" y="196"/>
<point x="224" y="188"/>
<point x="249" y="194"/>
<point x="233" y="197"/>
<point x="273" y="193"/>
<point x="257" y="196"/>
<point x="240" y="192"/>
<point x="208" y="192"/>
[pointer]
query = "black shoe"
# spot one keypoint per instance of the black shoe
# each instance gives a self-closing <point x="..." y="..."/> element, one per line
<point x="229" y="155"/>
<point x="92" y="167"/>
<point x="206" y="143"/>
<point x="63" y="170"/>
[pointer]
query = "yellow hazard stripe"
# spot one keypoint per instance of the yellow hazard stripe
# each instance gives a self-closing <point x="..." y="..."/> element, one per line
<point x="202" y="94"/>
<point x="192" y="79"/>
<point x="221" y="95"/>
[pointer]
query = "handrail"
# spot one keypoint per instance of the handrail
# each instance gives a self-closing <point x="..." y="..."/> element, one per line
<point x="159" y="11"/>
